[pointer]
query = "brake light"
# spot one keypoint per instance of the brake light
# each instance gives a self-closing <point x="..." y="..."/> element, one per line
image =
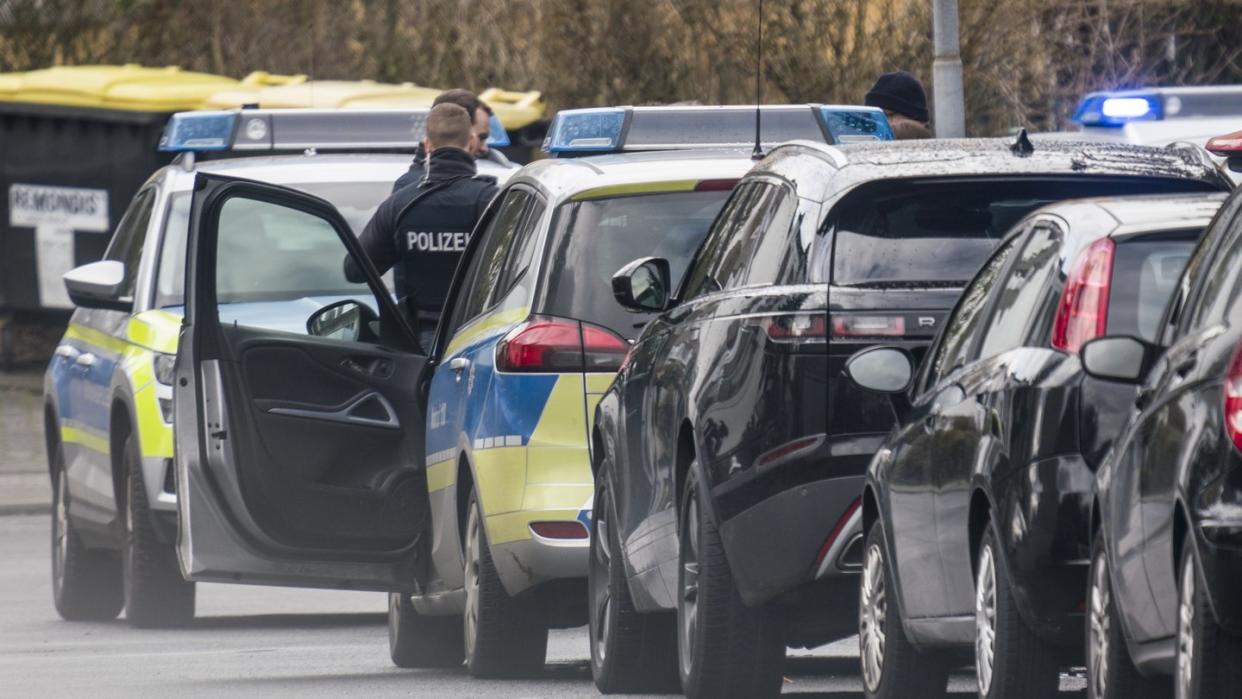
<point x="715" y="185"/>
<point x="796" y="327"/>
<point x="1233" y="400"/>
<point x="1082" y="314"/>
<point x="556" y="344"/>
<point x="868" y="326"/>
<point x="1228" y="145"/>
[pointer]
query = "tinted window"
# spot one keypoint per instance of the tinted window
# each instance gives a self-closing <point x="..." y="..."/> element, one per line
<point x="701" y="277"/>
<point x="1028" y="289"/>
<point x="490" y="256"/>
<point x="1145" y="274"/>
<point x="592" y="239"/>
<point x="954" y="350"/>
<point x="131" y="233"/>
<point x="746" y="227"/>
<point x="522" y="253"/>
<point x="938" y="233"/>
<point x="1220" y="274"/>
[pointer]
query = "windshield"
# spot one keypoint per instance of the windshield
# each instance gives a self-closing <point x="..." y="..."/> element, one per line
<point x="592" y="239"/>
<point x="938" y="234"/>
<point x="356" y="201"/>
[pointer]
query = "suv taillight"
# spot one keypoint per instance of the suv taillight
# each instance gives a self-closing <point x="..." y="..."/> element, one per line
<point x="796" y="327"/>
<point x="1083" y="312"/>
<point x="1233" y="400"/>
<point x="556" y="344"/>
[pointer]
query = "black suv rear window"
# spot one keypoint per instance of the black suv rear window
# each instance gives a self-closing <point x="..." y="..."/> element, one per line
<point x="594" y="238"/>
<point x="936" y="233"/>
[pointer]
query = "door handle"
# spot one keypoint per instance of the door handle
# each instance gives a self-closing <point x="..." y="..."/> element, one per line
<point x="86" y="361"/>
<point x="67" y="352"/>
<point x="458" y="365"/>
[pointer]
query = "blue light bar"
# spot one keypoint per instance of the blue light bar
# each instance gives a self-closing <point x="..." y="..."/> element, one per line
<point x="497" y="137"/>
<point x="596" y="130"/>
<point x="851" y="124"/>
<point x="1116" y="109"/>
<point x="198" y="131"/>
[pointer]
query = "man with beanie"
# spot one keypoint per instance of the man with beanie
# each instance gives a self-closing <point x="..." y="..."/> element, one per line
<point x="904" y="102"/>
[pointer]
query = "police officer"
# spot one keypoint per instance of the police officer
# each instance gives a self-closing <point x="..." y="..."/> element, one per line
<point x="481" y="114"/>
<point x="422" y="228"/>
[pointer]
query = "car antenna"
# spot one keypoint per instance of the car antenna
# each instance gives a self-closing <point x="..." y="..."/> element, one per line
<point x="757" y="153"/>
<point x="1022" y="146"/>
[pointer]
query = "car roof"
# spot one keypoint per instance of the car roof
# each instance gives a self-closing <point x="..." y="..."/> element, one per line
<point x="1128" y="215"/>
<point x="314" y="168"/>
<point x="562" y="178"/>
<point x="988" y="157"/>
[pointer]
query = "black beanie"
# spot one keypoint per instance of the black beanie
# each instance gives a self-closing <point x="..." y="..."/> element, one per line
<point x="900" y="92"/>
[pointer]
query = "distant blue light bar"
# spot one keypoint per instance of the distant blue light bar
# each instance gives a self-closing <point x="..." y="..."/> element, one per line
<point x="596" y="130"/>
<point x="198" y="131"/>
<point x="497" y="136"/>
<point x="1116" y="109"/>
<point x="851" y="124"/>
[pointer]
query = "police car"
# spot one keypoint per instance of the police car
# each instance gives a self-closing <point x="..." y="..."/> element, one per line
<point x="1157" y="116"/>
<point x="332" y="452"/>
<point x="108" y="389"/>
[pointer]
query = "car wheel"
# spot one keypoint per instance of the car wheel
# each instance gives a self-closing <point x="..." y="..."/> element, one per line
<point x="86" y="583"/>
<point x="1111" y="673"/>
<point x="155" y="593"/>
<point x="415" y="640"/>
<point x="725" y="648"/>
<point x="1209" y="660"/>
<point x="1010" y="660"/>
<point x="504" y="637"/>
<point x="631" y="652"/>
<point x="892" y="668"/>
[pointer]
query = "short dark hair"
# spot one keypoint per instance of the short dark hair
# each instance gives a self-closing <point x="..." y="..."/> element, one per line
<point x="448" y="125"/>
<point x="465" y="99"/>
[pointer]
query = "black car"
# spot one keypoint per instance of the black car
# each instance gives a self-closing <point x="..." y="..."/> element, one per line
<point x="990" y="472"/>
<point x="1164" y="595"/>
<point x="729" y="452"/>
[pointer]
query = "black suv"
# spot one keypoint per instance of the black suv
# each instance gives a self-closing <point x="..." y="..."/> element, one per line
<point x="727" y="486"/>
<point x="991" y="469"/>
<point x="1167" y="522"/>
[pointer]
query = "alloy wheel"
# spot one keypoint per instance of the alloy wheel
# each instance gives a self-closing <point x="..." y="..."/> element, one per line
<point x="601" y="565"/>
<point x="473" y="544"/>
<point x="1099" y="628"/>
<point x="985" y="620"/>
<point x="688" y="618"/>
<point x="873" y="601"/>
<point x="1186" y="631"/>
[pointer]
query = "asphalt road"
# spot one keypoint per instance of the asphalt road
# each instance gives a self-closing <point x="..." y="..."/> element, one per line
<point x="254" y="641"/>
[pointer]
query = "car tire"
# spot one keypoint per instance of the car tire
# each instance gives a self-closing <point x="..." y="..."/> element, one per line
<point x="1209" y="659"/>
<point x="892" y="667"/>
<point x="504" y="637"/>
<point x="724" y="648"/>
<point x="1010" y="660"/>
<point x="631" y="652"/>
<point x="1111" y="673"/>
<point x="156" y="596"/>
<point x="86" y="583"/>
<point x="415" y="640"/>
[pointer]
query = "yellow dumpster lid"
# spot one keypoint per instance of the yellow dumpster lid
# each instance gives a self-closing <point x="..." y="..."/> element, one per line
<point x="131" y="87"/>
<point x="515" y="109"/>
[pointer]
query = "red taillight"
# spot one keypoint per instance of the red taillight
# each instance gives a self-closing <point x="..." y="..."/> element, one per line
<point x="715" y="185"/>
<point x="868" y="326"/>
<point x="836" y="531"/>
<point x="555" y="344"/>
<point x="559" y="530"/>
<point x="1233" y="400"/>
<point x="787" y="449"/>
<point x="1083" y="312"/>
<point x="1228" y="145"/>
<point x="796" y="327"/>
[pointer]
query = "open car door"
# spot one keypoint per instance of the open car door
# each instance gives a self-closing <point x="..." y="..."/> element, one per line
<point x="298" y="420"/>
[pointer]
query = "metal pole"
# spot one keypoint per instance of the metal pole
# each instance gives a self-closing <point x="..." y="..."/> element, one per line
<point x="950" y="117"/>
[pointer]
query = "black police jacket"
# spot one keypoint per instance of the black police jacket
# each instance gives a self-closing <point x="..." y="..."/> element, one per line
<point x="418" y="170"/>
<point x="422" y="228"/>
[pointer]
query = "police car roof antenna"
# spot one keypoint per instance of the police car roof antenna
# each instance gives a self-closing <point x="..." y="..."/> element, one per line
<point x="757" y="153"/>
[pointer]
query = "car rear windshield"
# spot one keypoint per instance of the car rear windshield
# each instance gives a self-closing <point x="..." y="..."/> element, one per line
<point x="356" y="201"/>
<point x="937" y="233"/>
<point x="1145" y="273"/>
<point x="592" y="239"/>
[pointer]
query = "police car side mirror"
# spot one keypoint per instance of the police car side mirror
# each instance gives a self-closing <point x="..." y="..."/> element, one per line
<point x="98" y="285"/>
<point x="643" y="285"/>
<point x="346" y="320"/>
<point x="1118" y="358"/>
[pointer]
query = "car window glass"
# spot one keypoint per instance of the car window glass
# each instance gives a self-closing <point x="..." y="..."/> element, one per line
<point x="131" y="233"/>
<point x="1212" y="300"/>
<point x="701" y="278"/>
<point x="522" y="252"/>
<point x="1146" y="270"/>
<point x="955" y="346"/>
<point x="1025" y="289"/>
<point x="275" y="266"/>
<point x="775" y="254"/>
<point x="730" y="271"/>
<point x="491" y="254"/>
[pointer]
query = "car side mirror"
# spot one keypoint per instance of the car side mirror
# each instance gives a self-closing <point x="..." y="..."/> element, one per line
<point x="346" y="320"/>
<point x="643" y="285"/>
<point x="886" y="370"/>
<point x="1119" y="358"/>
<point x="98" y="285"/>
